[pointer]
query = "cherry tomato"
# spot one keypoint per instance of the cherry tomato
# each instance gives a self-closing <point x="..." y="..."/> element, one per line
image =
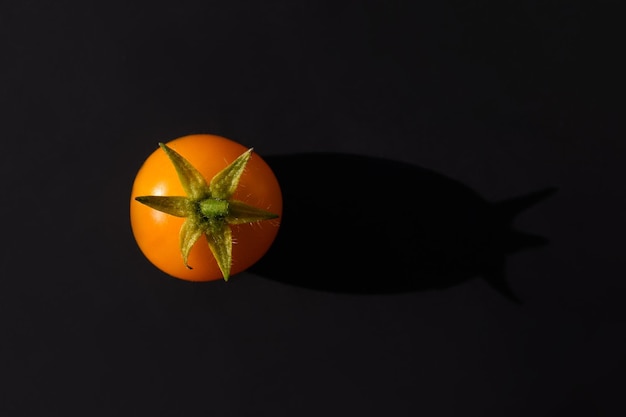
<point x="158" y="234"/>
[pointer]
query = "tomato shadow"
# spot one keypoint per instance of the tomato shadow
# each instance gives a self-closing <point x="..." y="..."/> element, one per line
<point x="365" y="225"/>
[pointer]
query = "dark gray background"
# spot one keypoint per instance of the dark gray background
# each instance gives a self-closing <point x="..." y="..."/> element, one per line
<point x="504" y="97"/>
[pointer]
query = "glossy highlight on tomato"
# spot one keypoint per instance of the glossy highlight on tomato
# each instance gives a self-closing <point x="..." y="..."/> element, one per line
<point x="252" y="217"/>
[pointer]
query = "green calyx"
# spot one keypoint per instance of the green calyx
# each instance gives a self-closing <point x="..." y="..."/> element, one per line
<point x="208" y="208"/>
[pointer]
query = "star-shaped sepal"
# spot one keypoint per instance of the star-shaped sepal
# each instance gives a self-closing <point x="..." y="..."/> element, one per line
<point x="208" y="208"/>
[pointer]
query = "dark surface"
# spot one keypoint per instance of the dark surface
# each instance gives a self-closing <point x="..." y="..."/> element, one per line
<point x="450" y="108"/>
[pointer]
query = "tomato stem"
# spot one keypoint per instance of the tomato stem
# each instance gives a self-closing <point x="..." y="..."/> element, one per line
<point x="212" y="208"/>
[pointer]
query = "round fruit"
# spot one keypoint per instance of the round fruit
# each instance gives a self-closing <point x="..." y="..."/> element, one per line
<point x="204" y="207"/>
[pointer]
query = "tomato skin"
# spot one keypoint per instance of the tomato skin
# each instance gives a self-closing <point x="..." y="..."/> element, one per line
<point x="157" y="233"/>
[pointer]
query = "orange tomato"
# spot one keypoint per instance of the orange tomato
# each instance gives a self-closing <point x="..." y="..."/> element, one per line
<point x="157" y="233"/>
